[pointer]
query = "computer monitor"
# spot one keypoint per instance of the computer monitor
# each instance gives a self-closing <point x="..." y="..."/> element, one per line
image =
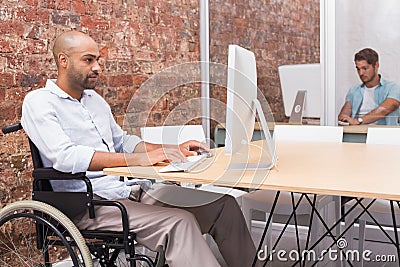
<point x="301" y="91"/>
<point x="242" y="107"/>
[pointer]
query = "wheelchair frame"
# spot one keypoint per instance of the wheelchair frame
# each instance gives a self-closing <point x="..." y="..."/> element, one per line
<point x="51" y="219"/>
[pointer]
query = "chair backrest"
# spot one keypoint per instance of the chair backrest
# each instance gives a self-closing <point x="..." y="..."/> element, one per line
<point x="172" y="134"/>
<point x="390" y="136"/>
<point x="308" y="133"/>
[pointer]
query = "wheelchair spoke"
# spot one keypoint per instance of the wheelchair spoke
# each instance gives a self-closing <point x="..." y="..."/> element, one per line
<point x="30" y="237"/>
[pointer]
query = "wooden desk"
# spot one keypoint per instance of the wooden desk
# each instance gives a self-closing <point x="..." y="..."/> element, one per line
<point x="342" y="169"/>
<point x="350" y="169"/>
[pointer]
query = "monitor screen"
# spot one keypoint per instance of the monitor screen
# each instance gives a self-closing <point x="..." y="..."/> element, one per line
<point x="305" y="77"/>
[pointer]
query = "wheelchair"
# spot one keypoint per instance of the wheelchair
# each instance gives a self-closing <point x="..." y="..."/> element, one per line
<point x="40" y="232"/>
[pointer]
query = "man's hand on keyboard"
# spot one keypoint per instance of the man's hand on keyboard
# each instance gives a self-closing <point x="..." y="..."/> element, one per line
<point x="165" y="153"/>
<point x="193" y="148"/>
<point x="169" y="153"/>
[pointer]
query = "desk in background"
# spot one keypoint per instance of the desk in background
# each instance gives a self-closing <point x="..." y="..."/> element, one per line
<point x="220" y="133"/>
<point x="352" y="134"/>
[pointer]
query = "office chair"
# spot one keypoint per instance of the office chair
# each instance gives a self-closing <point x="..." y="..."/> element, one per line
<point x="262" y="200"/>
<point x="380" y="209"/>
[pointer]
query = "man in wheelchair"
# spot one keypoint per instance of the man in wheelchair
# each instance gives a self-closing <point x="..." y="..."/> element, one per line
<point x="74" y="130"/>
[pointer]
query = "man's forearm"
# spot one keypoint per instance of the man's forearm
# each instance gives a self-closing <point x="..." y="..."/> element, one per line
<point x="101" y="160"/>
<point x="384" y="109"/>
<point x="143" y="147"/>
<point x="374" y="115"/>
<point x="345" y="112"/>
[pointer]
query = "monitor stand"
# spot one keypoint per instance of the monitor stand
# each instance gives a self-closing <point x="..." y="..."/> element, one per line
<point x="296" y="117"/>
<point x="268" y="160"/>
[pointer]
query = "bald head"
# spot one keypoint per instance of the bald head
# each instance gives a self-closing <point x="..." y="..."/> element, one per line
<point x="71" y="41"/>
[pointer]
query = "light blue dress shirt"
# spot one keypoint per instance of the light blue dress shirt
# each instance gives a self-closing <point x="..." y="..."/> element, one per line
<point x="385" y="89"/>
<point x="67" y="132"/>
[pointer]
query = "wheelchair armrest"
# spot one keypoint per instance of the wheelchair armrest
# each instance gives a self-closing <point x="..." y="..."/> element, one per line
<point x="52" y="174"/>
<point x="49" y="174"/>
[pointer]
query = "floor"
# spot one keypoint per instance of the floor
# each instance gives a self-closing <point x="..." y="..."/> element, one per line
<point x="286" y="251"/>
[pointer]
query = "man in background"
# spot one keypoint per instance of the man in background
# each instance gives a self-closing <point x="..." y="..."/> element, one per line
<point x="375" y="100"/>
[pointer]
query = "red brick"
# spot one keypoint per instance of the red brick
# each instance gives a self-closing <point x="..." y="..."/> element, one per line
<point x="104" y="53"/>
<point x="50" y="4"/>
<point x="63" y="5"/>
<point x="7" y="111"/>
<point x="60" y="18"/>
<point x="94" y="23"/>
<point x="2" y="94"/>
<point x="15" y="28"/>
<point x="145" y="55"/>
<point x="34" y="33"/>
<point x="92" y="8"/>
<point x="106" y="9"/>
<point x="15" y="94"/>
<point x="36" y="47"/>
<point x="125" y="93"/>
<point x="139" y="79"/>
<point x="33" y="3"/>
<point x="29" y="80"/>
<point x="6" y="79"/>
<point x="5" y="46"/>
<point x="120" y="80"/>
<point x="79" y="6"/>
<point x="15" y="62"/>
<point x="33" y="15"/>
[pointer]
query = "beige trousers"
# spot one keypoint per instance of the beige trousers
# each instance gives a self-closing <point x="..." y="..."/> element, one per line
<point x="173" y="219"/>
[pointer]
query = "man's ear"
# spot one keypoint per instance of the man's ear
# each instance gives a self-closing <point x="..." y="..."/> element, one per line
<point x="62" y="59"/>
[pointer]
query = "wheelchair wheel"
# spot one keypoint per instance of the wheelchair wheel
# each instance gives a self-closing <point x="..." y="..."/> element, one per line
<point x="36" y="234"/>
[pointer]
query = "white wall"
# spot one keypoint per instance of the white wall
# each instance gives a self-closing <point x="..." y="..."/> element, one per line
<point x="360" y="24"/>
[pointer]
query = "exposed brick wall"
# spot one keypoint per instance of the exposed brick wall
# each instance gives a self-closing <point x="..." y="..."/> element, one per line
<point x="141" y="38"/>
<point x="278" y="32"/>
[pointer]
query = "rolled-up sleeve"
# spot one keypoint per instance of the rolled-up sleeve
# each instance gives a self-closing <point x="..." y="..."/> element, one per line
<point x="123" y="142"/>
<point x="130" y="142"/>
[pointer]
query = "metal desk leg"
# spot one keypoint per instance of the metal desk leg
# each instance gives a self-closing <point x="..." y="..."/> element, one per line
<point x="266" y="228"/>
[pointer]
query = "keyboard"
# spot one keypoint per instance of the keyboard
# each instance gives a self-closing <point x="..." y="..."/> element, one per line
<point x="187" y="166"/>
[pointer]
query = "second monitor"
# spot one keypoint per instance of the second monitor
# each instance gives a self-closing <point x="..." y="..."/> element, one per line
<point x="301" y="91"/>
